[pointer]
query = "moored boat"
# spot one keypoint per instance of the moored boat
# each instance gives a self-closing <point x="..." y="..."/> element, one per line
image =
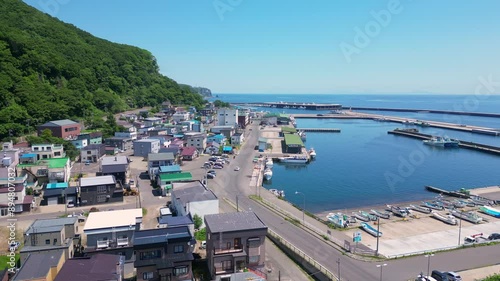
<point x="421" y="209"/>
<point x="379" y="214"/>
<point x="278" y="193"/>
<point x="268" y="174"/>
<point x="442" y="142"/>
<point x="312" y="153"/>
<point x="468" y="216"/>
<point x="269" y="163"/>
<point x="368" y="228"/>
<point x="449" y="219"/>
<point x="294" y="159"/>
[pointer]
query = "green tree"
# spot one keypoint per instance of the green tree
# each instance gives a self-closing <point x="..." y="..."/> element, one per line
<point x="197" y="221"/>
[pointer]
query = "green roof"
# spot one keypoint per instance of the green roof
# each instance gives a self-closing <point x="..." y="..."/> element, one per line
<point x="284" y="115"/>
<point x="52" y="163"/>
<point x="288" y="130"/>
<point x="185" y="176"/>
<point x="293" y="139"/>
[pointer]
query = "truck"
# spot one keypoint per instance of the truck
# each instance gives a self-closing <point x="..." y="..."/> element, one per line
<point x="475" y="238"/>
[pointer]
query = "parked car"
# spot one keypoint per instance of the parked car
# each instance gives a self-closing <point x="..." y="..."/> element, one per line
<point x="439" y="276"/>
<point x="453" y="276"/>
<point x="212" y="172"/>
<point x="71" y="204"/>
<point x="87" y="162"/>
<point x="422" y="277"/>
<point x="217" y="167"/>
<point x="494" y="236"/>
<point x="14" y="245"/>
<point x="210" y="176"/>
<point x="236" y="168"/>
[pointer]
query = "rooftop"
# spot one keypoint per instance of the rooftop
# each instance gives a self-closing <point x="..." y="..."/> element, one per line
<point x="38" y="264"/>
<point x="29" y="155"/>
<point x="93" y="146"/>
<point x="52" y="163"/>
<point x="147" y="140"/>
<point x="114" y="160"/>
<point x="176" y="176"/>
<point x="293" y="139"/>
<point x="171" y="221"/>
<point x="188" y="151"/>
<point x="193" y="191"/>
<point x="170" y="169"/>
<point x="161" y="156"/>
<point x="57" y="185"/>
<point x="49" y="225"/>
<point x="58" y="123"/>
<point x="109" y="219"/>
<point x="237" y="221"/>
<point x="92" y="181"/>
<point x="95" y="267"/>
<point x="161" y="235"/>
<point x="60" y="191"/>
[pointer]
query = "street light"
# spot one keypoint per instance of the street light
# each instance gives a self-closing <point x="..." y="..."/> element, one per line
<point x="460" y="228"/>
<point x="428" y="256"/>
<point x="303" y="206"/>
<point x="381" y="267"/>
<point x="338" y="263"/>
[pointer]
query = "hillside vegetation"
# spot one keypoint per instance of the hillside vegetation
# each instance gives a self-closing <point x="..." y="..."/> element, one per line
<point x="52" y="70"/>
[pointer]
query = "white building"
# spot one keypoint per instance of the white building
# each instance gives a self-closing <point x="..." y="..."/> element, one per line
<point x="180" y="116"/>
<point x="197" y="140"/>
<point x="237" y="139"/>
<point x="47" y="151"/>
<point x="152" y="121"/>
<point x="227" y="117"/>
<point x="194" y="198"/>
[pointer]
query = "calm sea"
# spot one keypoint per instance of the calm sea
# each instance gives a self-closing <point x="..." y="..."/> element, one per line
<point x="363" y="165"/>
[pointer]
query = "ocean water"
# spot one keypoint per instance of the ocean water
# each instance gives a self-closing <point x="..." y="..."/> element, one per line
<point x="363" y="165"/>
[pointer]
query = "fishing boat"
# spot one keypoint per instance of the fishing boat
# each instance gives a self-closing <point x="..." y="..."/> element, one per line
<point x="480" y="201"/>
<point x="269" y="163"/>
<point x="442" y="142"/>
<point x="372" y="217"/>
<point x="449" y="219"/>
<point x="338" y="219"/>
<point x="268" y="174"/>
<point x="421" y="209"/>
<point x="384" y="215"/>
<point x="312" y="153"/>
<point x="468" y="216"/>
<point x="490" y="211"/>
<point x="459" y="204"/>
<point x="302" y="135"/>
<point x="294" y="159"/>
<point x="368" y="228"/>
<point x="361" y="217"/>
<point x="433" y="206"/>
<point x="278" y="193"/>
<point x="302" y="107"/>
<point x="398" y="211"/>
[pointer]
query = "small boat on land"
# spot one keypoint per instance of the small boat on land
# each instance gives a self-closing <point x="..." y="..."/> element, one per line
<point x="361" y="217"/>
<point x="468" y="216"/>
<point x="490" y="211"/>
<point x="368" y="228"/>
<point x="368" y="215"/>
<point x="459" y="204"/>
<point x="449" y="219"/>
<point x="433" y="206"/>
<point x="384" y="215"/>
<point x="268" y="174"/>
<point x="398" y="211"/>
<point x="338" y="219"/>
<point x="421" y="209"/>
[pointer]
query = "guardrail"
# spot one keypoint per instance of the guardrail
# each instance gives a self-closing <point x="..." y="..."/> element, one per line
<point x="303" y="255"/>
<point x="437" y="250"/>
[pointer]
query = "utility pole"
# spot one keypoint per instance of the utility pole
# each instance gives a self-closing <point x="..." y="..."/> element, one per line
<point x="338" y="263"/>
<point x="378" y="233"/>
<point x="460" y="228"/>
<point x="237" y="208"/>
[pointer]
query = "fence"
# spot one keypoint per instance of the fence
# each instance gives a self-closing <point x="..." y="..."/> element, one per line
<point x="283" y="242"/>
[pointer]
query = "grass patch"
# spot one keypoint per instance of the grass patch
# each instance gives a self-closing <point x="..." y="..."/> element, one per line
<point x="144" y="212"/>
<point x="201" y="235"/>
<point x="4" y="260"/>
<point x="255" y="197"/>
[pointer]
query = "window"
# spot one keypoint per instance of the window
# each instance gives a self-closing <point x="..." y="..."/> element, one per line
<point x="55" y="241"/>
<point x="89" y="152"/>
<point x="102" y="189"/>
<point x="57" y="153"/>
<point x="150" y="255"/>
<point x="47" y="242"/>
<point x="237" y="243"/>
<point x="101" y="198"/>
<point x="227" y="265"/>
<point x="178" y="249"/>
<point x="253" y="259"/>
<point x="147" y="275"/>
<point x="181" y="270"/>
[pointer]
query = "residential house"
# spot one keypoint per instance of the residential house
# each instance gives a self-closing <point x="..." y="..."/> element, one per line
<point x="152" y="121"/>
<point x="164" y="254"/>
<point x="112" y="232"/>
<point x="10" y="159"/>
<point x="100" y="190"/>
<point x="227" y="117"/>
<point x="92" y="153"/>
<point x="196" y="140"/>
<point x="235" y="241"/>
<point x="189" y="153"/>
<point x="180" y="116"/>
<point x="122" y="143"/>
<point x="218" y="138"/>
<point x="212" y="148"/>
<point x="166" y="106"/>
<point x="177" y="143"/>
<point x="41" y="266"/>
<point x="145" y="130"/>
<point x="171" y="221"/>
<point x="146" y="146"/>
<point x="59" y="193"/>
<point x="80" y="142"/>
<point x="237" y="139"/>
<point x="164" y="140"/>
<point x="111" y="150"/>
<point x="46" y="170"/>
<point x="85" y="139"/>
<point x="165" y="180"/>
<point x="156" y="160"/>
<point x="130" y="133"/>
<point x="50" y="235"/>
<point x="47" y="151"/>
<point x="13" y="191"/>
<point x="158" y="131"/>
<point x="116" y="166"/>
<point x="227" y="131"/>
<point x="171" y="169"/>
<point x="193" y="198"/>
<point x="65" y="129"/>
<point x="176" y="151"/>
<point x="96" y="267"/>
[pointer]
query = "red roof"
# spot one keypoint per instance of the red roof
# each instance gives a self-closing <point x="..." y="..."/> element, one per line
<point x="188" y="151"/>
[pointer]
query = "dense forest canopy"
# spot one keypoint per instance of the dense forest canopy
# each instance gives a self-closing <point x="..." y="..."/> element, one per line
<point x="52" y="70"/>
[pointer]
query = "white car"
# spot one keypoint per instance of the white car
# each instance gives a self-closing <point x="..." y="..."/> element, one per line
<point x="236" y="168"/>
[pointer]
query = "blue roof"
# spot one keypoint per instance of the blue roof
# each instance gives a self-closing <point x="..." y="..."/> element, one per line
<point x="28" y="155"/>
<point x="218" y="137"/>
<point x="170" y="169"/>
<point x="171" y="221"/>
<point x="57" y="185"/>
<point x="227" y="148"/>
<point x="178" y="136"/>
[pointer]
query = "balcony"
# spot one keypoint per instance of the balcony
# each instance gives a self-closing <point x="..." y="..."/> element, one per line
<point x="102" y="244"/>
<point x="122" y="241"/>
<point x="232" y="250"/>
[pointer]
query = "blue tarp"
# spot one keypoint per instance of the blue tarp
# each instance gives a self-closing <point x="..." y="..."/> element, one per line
<point x="57" y="185"/>
<point x="227" y="149"/>
<point x="28" y="155"/>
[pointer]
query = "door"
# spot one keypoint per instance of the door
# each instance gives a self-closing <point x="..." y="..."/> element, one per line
<point x="52" y="201"/>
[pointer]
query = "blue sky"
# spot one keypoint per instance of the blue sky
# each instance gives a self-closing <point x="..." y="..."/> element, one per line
<point x="300" y="46"/>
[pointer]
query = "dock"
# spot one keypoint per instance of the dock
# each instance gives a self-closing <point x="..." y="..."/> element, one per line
<point x="446" y="192"/>
<point x="481" y="114"/>
<point x="320" y="130"/>
<point x="463" y="144"/>
<point x="293" y="105"/>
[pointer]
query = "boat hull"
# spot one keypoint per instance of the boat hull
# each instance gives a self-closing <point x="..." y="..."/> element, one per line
<point x="380" y="214"/>
<point x="421" y="209"/>
<point x="446" y="219"/>
<point x="368" y="228"/>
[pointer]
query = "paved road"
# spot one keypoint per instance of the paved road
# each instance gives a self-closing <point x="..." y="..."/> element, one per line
<point x="234" y="186"/>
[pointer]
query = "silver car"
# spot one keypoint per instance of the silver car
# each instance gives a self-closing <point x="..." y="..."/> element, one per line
<point x="453" y="276"/>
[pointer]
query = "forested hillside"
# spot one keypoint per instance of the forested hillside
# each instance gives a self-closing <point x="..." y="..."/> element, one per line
<point x="52" y="70"/>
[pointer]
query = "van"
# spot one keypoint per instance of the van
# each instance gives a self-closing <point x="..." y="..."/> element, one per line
<point x="439" y="276"/>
